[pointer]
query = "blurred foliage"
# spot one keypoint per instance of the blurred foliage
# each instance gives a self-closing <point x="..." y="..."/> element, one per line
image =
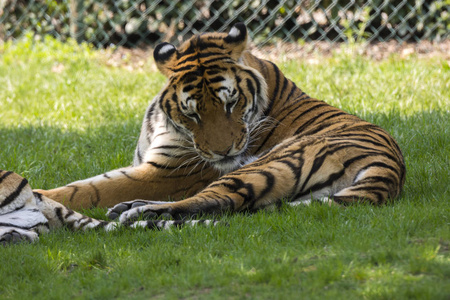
<point x="137" y="22"/>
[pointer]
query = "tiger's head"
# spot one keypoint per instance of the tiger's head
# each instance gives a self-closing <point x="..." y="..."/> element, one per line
<point x="212" y="96"/>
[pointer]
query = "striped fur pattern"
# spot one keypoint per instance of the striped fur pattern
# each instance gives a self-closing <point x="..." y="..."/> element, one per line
<point x="229" y="132"/>
<point x="25" y="214"/>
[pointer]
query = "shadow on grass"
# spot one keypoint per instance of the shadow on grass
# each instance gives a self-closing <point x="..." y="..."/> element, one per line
<point x="50" y="156"/>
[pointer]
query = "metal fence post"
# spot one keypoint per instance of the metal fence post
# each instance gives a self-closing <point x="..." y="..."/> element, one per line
<point x="75" y="19"/>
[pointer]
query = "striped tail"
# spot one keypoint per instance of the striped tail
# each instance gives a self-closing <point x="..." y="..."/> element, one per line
<point x="168" y="224"/>
<point x="25" y="214"/>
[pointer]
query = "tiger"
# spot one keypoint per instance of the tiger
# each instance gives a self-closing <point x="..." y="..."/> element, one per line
<point x="230" y="133"/>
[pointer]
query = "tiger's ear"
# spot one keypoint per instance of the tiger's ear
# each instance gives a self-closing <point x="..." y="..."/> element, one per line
<point x="237" y="40"/>
<point x="165" y="58"/>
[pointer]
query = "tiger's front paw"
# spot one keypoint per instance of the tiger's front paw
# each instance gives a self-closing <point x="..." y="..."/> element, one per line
<point x="115" y="211"/>
<point x="148" y="212"/>
<point x="118" y="209"/>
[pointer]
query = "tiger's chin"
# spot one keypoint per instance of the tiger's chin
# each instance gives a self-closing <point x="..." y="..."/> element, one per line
<point x="227" y="164"/>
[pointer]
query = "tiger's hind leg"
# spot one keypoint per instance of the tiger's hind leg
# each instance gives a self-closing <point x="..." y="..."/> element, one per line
<point x="340" y="169"/>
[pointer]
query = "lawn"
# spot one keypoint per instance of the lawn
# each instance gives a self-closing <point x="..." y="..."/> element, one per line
<point x="66" y="115"/>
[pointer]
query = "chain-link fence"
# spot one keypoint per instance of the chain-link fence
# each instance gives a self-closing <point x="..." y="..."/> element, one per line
<point x="146" y="22"/>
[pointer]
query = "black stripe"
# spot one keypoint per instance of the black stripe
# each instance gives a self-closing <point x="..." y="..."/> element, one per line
<point x="18" y="208"/>
<point x="187" y="58"/>
<point x="292" y="107"/>
<point x="270" y="182"/>
<point x="293" y="89"/>
<point x="353" y="134"/>
<point x="236" y="185"/>
<point x="222" y="59"/>
<point x="268" y="110"/>
<point x="59" y="215"/>
<point x="216" y="79"/>
<point x="97" y="195"/>
<point x="214" y="72"/>
<point x="250" y="86"/>
<point x="347" y="163"/>
<point x="381" y="165"/>
<point x="188" y="88"/>
<point x="159" y="166"/>
<point x="162" y="99"/>
<point x="318" y="186"/>
<point x="372" y="142"/>
<point x="138" y="154"/>
<point x="322" y="126"/>
<point x="74" y="192"/>
<point x="214" y="69"/>
<point x="150" y="111"/>
<point x="277" y="79"/>
<point x="2" y="224"/>
<point x="170" y="155"/>
<point x="168" y="108"/>
<point x="290" y="165"/>
<point x="230" y="202"/>
<point x="318" y="162"/>
<point x="102" y="224"/>
<point x="68" y="214"/>
<point x="340" y="113"/>
<point x="5" y="175"/>
<point x="189" y="77"/>
<point x="285" y="83"/>
<point x="263" y="66"/>
<point x="310" y="121"/>
<point x="38" y="196"/>
<point x="317" y="105"/>
<point x="256" y="79"/>
<point x="129" y="177"/>
<point x="375" y="179"/>
<point x="369" y="188"/>
<point x="270" y="133"/>
<point x="203" y="44"/>
<point x="185" y="68"/>
<point x="14" y="194"/>
<point x="167" y="147"/>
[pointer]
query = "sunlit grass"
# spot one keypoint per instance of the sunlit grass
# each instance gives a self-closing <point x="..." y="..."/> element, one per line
<point x="64" y="116"/>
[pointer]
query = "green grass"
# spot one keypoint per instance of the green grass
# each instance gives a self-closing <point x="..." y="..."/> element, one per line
<point x="59" y="127"/>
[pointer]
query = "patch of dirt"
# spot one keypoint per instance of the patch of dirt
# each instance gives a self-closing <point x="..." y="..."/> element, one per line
<point x="376" y="51"/>
<point x="141" y="58"/>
